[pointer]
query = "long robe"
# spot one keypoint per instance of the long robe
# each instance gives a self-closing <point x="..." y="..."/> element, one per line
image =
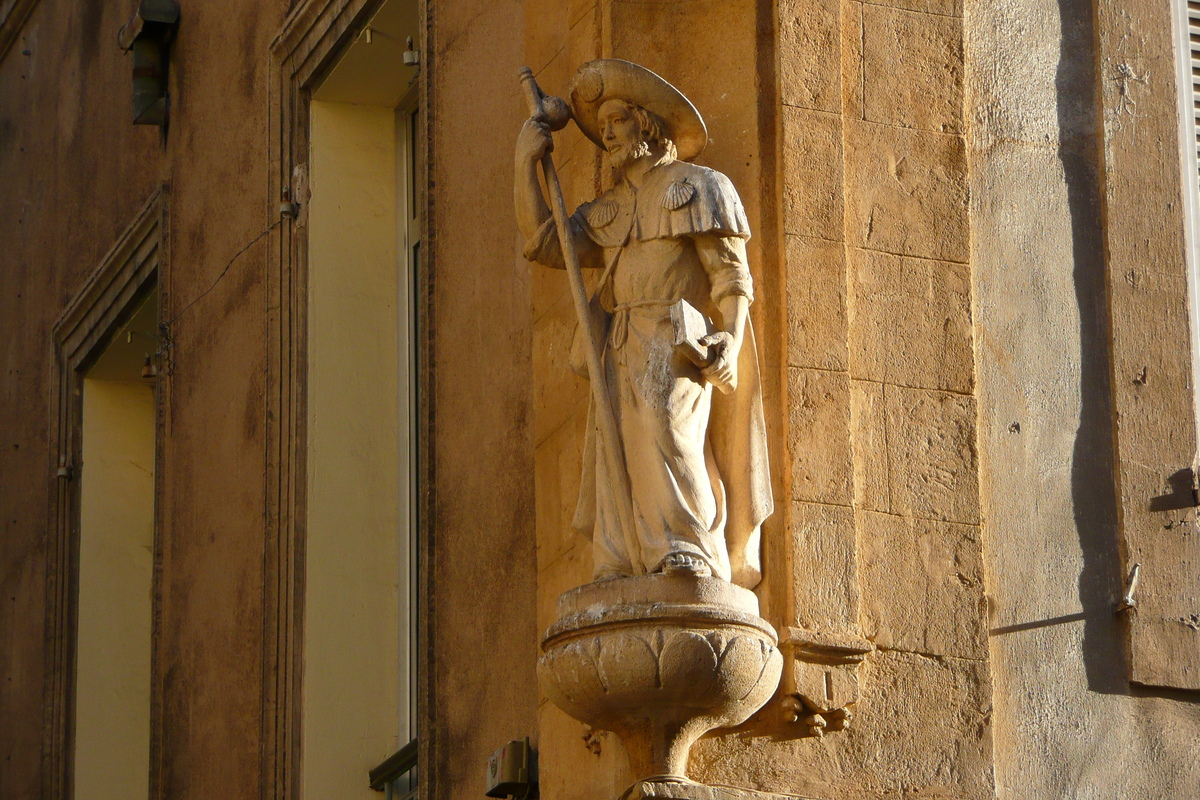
<point x="697" y="459"/>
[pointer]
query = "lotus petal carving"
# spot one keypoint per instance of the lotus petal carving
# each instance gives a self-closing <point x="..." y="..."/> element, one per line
<point x="662" y="665"/>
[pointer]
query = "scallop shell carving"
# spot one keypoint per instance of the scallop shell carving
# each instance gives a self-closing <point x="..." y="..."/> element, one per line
<point x="678" y="195"/>
<point x="589" y="85"/>
<point x="600" y="214"/>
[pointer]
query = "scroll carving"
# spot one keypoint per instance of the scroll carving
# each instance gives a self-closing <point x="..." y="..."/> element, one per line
<point x="820" y="685"/>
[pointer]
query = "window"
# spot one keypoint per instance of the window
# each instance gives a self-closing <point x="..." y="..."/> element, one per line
<point x="100" y="552"/>
<point x="358" y="705"/>
<point x="116" y="562"/>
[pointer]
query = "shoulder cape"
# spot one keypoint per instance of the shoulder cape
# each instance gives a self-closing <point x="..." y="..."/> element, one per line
<point x="677" y="199"/>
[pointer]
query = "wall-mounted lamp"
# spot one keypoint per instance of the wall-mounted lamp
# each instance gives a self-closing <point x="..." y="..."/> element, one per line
<point x="411" y="56"/>
<point x="148" y="34"/>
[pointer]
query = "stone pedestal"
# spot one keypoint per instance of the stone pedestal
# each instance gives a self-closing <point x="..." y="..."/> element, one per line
<point x="660" y="661"/>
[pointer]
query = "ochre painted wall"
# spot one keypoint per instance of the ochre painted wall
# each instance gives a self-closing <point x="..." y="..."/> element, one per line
<point x="213" y="459"/>
<point x="481" y="686"/>
<point x="64" y="88"/>
<point x="76" y="172"/>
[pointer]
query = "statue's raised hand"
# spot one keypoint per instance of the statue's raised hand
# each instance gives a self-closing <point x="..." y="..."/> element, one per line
<point x="534" y="141"/>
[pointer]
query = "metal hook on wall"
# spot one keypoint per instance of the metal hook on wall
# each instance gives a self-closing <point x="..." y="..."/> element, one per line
<point x="1127" y="602"/>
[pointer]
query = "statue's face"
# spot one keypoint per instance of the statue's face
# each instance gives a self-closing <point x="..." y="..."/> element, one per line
<point x="621" y="133"/>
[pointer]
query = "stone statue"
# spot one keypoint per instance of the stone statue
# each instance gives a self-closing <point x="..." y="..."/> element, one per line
<point x="666" y="643"/>
<point x="695" y="488"/>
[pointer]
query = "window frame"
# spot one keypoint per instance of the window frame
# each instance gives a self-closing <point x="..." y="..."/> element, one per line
<point x="129" y="272"/>
<point x="312" y="37"/>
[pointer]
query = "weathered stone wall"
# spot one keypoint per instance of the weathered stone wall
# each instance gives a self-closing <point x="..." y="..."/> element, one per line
<point x="913" y="408"/>
<point x="884" y="511"/>
<point x="1067" y="722"/>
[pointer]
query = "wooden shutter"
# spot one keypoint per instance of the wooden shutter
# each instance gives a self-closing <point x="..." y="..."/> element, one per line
<point x="1193" y="29"/>
<point x="1151" y="294"/>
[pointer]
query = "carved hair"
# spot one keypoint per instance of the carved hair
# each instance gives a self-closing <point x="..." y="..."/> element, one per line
<point x="654" y="130"/>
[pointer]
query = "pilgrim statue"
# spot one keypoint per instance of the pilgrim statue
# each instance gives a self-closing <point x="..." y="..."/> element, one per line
<point x="669" y="321"/>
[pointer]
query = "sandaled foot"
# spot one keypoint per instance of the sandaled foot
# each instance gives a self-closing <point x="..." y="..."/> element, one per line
<point x="686" y="564"/>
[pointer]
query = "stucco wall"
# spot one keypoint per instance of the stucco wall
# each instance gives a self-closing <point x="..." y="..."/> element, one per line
<point x="63" y="204"/>
<point x="76" y="171"/>
<point x="214" y="456"/>
<point x="1067" y="722"/>
<point x="482" y="690"/>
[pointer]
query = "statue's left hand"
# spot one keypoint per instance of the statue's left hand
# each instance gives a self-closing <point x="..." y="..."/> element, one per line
<point x="722" y="372"/>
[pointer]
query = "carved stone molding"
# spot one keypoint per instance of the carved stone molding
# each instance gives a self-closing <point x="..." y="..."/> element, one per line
<point x="660" y="661"/>
<point x="820" y="684"/>
<point x="12" y="21"/>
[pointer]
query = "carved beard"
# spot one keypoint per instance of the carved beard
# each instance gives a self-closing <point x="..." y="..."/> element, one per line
<point x="624" y="156"/>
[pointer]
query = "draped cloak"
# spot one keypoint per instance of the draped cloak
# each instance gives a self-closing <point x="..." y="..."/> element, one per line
<point x="684" y="229"/>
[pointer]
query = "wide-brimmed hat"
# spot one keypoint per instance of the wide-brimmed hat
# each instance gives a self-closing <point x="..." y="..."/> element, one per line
<point x="611" y="78"/>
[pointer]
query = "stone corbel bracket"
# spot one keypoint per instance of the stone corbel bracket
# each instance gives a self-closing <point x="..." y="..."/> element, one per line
<point x="820" y="679"/>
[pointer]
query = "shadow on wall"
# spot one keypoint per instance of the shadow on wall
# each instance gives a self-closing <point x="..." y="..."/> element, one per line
<point x="1093" y="486"/>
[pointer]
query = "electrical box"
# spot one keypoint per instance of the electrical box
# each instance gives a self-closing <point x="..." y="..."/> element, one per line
<point x="512" y="771"/>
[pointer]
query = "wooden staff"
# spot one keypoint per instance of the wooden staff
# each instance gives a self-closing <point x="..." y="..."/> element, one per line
<point x="557" y="116"/>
